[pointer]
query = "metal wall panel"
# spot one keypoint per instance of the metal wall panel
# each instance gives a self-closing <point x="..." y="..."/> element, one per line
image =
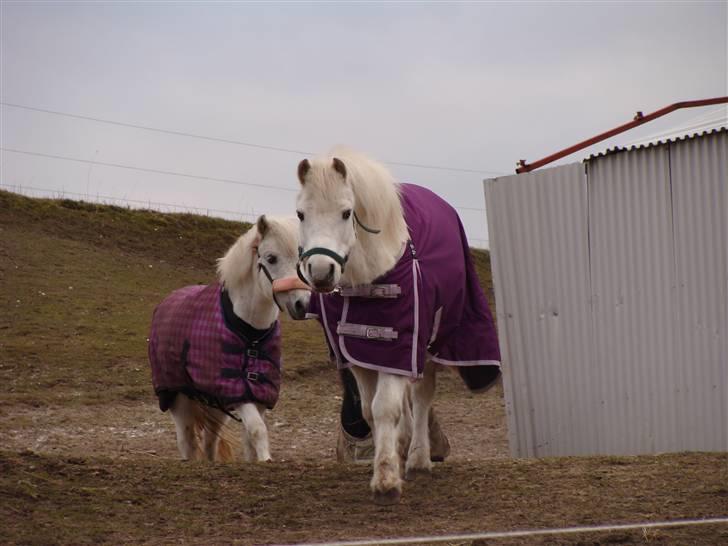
<point x="632" y="278"/>
<point x="699" y="171"/>
<point x="539" y="254"/>
<point x="612" y="301"/>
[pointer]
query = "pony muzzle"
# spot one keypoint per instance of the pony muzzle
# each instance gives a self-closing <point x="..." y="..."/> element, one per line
<point x="293" y="295"/>
<point x="322" y="272"/>
<point x="321" y="268"/>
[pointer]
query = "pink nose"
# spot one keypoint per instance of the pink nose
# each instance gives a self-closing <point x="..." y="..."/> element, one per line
<point x="321" y="272"/>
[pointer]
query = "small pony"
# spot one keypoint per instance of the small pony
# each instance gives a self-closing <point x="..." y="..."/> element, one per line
<point x="215" y="350"/>
<point x="397" y="295"/>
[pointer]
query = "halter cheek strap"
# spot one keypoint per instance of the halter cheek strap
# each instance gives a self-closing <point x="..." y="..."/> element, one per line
<point x="267" y="274"/>
<point x="365" y="228"/>
<point x="264" y="269"/>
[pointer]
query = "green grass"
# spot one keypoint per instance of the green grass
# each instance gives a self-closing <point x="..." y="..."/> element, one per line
<point x="78" y="286"/>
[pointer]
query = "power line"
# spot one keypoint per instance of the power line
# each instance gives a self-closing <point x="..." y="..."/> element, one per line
<point x="230" y="141"/>
<point x="125" y="200"/>
<point x="439" y="168"/>
<point x="157" y="130"/>
<point x="154" y="171"/>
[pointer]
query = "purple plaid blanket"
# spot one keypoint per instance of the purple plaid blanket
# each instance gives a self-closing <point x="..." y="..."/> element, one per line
<point x="194" y="349"/>
<point x="431" y="302"/>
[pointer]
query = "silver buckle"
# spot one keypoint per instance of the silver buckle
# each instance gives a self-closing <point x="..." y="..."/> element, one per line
<point x="378" y="291"/>
<point x="372" y="333"/>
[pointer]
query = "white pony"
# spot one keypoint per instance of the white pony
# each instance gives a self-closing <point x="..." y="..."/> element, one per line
<point x="215" y="351"/>
<point x="397" y="295"/>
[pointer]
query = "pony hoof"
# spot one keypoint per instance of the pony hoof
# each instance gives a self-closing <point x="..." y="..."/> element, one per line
<point x="387" y="498"/>
<point x="413" y="474"/>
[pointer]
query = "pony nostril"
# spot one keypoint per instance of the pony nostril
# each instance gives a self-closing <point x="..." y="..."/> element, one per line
<point x="310" y="272"/>
<point x="299" y="306"/>
<point x="331" y="272"/>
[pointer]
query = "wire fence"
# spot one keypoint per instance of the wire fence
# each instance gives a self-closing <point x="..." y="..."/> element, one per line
<point x="32" y="191"/>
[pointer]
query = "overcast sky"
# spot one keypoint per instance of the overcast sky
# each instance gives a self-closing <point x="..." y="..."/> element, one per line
<point x="468" y="86"/>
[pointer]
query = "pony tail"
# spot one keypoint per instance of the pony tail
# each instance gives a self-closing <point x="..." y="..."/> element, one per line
<point x="224" y="450"/>
<point x="203" y="420"/>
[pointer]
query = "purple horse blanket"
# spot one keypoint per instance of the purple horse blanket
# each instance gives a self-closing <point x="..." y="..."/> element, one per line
<point x="429" y="303"/>
<point x="199" y="349"/>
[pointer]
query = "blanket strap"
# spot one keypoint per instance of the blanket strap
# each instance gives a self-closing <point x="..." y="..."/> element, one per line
<point x="371" y="291"/>
<point x="384" y="333"/>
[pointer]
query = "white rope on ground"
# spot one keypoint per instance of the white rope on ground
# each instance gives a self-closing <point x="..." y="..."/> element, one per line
<point x="523" y="533"/>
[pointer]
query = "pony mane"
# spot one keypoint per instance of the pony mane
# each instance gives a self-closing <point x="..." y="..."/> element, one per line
<point x="238" y="264"/>
<point x="378" y="206"/>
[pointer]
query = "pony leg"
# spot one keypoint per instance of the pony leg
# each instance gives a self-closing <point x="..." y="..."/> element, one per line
<point x="386" y="413"/>
<point x="366" y="382"/>
<point x="423" y="392"/>
<point x="255" y="433"/>
<point x="215" y="447"/>
<point x="184" y="414"/>
<point x="404" y="427"/>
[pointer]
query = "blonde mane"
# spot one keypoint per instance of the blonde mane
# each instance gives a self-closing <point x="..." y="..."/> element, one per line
<point x="377" y="206"/>
<point x="238" y="264"/>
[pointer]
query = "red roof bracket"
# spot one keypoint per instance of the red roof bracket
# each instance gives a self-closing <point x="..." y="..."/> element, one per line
<point x="639" y="119"/>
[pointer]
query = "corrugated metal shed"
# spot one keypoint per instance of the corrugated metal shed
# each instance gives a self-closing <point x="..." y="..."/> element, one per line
<point x="660" y="142"/>
<point x="611" y="283"/>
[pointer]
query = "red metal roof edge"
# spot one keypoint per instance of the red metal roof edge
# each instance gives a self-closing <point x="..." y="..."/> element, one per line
<point x="639" y="119"/>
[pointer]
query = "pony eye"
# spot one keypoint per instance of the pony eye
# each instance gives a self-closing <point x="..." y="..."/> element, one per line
<point x="272" y="260"/>
<point x="346" y="214"/>
<point x="300" y="215"/>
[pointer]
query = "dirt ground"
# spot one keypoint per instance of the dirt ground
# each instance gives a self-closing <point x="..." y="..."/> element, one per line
<point x="128" y="430"/>
<point x="86" y="457"/>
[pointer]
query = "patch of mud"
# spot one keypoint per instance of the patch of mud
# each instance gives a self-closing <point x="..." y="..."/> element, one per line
<point x="303" y="426"/>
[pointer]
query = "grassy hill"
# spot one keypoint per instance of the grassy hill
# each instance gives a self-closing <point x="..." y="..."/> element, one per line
<point x="79" y="282"/>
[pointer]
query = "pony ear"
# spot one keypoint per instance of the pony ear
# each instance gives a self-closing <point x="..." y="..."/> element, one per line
<point x="303" y="168"/>
<point x="262" y="225"/>
<point x="339" y="167"/>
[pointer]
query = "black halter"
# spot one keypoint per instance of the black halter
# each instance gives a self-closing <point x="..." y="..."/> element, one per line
<point x="264" y="269"/>
<point x="338" y="258"/>
<point x="365" y="228"/>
